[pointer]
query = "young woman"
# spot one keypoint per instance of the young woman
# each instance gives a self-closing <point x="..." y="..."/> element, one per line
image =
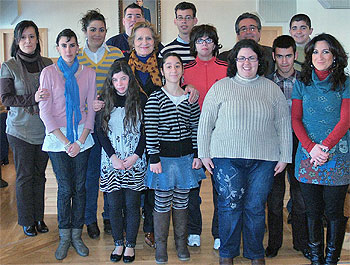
<point x="202" y="73"/>
<point x="171" y="137"/>
<point x="320" y="117"/>
<point x="244" y="138"/>
<point x="19" y="81"/>
<point x="124" y="164"/>
<point x="98" y="56"/>
<point x="69" y="117"/>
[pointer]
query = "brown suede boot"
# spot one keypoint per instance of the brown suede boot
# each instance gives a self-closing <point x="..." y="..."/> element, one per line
<point x="161" y="232"/>
<point x="180" y="233"/>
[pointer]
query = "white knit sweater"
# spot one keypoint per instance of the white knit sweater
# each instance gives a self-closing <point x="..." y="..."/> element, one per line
<point x="244" y="118"/>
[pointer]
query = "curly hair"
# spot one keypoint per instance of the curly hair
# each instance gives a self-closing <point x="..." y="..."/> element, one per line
<point x="201" y="31"/>
<point x="232" y="56"/>
<point x="144" y="25"/>
<point x="90" y="16"/>
<point x="337" y="69"/>
<point x="133" y="112"/>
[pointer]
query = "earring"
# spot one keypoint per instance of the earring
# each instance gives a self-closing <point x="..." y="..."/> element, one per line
<point x="312" y="66"/>
<point x="163" y="80"/>
<point x="334" y="63"/>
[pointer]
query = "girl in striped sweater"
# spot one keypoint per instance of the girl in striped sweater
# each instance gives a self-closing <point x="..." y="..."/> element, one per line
<point x="171" y="138"/>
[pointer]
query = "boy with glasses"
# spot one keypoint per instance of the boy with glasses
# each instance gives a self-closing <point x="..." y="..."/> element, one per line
<point x="185" y="20"/>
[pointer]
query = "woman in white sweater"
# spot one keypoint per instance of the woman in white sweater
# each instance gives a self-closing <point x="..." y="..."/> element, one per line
<point x="244" y="138"/>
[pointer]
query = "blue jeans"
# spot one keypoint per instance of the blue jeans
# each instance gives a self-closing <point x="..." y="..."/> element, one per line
<point x="243" y="186"/>
<point x="131" y="220"/>
<point x="70" y="174"/>
<point x="92" y="185"/>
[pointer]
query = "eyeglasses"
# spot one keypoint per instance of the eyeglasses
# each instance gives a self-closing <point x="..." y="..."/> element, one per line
<point x="186" y="18"/>
<point x="207" y="41"/>
<point x="250" y="59"/>
<point x="251" y="28"/>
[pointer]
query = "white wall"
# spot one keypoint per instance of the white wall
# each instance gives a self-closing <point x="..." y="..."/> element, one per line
<point x="59" y="14"/>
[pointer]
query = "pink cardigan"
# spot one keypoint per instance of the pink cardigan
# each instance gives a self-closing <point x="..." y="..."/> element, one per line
<point x="53" y="110"/>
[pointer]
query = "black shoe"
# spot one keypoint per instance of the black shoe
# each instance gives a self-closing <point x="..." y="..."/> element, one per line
<point x="107" y="226"/>
<point x="128" y="259"/>
<point x="3" y="183"/>
<point x="41" y="227"/>
<point x="93" y="230"/>
<point x="305" y="252"/>
<point x="116" y="257"/>
<point x="29" y="230"/>
<point x="270" y="252"/>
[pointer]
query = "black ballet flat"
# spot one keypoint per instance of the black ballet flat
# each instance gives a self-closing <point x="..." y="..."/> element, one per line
<point x="41" y="227"/>
<point x="128" y="259"/>
<point x="29" y="230"/>
<point x="116" y="257"/>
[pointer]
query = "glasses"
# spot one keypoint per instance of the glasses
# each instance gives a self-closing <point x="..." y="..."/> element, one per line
<point x="250" y="59"/>
<point x="207" y="41"/>
<point x="186" y="18"/>
<point x="251" y="28"/>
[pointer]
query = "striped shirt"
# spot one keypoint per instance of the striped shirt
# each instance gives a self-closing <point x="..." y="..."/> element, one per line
<point x="179" y="47"/>
<point x="171" y="130"/>
<point x="102" y="67"/>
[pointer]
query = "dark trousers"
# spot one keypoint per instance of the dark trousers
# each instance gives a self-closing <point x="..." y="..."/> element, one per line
<point x="194" y="224"/>
<point x="321" y="199"/>
<point x="70" y="174"/>
<point x="275" y="208"/>
<point x="30" y="163"/>
<point x="92" y="185"/>
<point x="4" y="147"/>
<point x="131" y="220"/>
<point x="148" y="211"/>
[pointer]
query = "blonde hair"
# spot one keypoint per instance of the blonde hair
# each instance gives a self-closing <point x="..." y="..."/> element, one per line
<point x="143" y="25"/>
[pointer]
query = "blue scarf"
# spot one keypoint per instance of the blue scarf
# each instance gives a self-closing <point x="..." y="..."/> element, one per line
<point x="72" y="97"/>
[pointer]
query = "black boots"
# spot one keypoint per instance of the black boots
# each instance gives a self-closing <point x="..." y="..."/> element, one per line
<point x="335" y="238"/>
<point x="161" y="232"/>
<point x="316" y="240"/>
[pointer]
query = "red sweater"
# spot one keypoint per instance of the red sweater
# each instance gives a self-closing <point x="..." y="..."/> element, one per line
<point x="203" y="74"/>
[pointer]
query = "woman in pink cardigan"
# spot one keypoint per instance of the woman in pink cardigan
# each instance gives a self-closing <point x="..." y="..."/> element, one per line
<point x="69" y="118"/>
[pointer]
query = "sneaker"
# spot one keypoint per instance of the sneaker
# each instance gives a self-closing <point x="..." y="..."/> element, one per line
<point x="194" y="240"/>
<point x="216" y="243"/>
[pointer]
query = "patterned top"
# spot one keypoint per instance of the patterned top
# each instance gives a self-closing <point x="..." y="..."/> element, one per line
<point x="101" y="68"/>
<point x="180" y="47"/>
<point x="321" y="113"/>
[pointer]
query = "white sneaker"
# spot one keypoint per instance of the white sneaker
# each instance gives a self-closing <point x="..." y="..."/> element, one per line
<point x="216" y="243"/>
<point x="194" y="240"/>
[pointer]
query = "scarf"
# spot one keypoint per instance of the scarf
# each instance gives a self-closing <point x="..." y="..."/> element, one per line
<point x="29" y="88"/>
<point x="151" y="67"/>
<point x="72" y="97"/>
<point x="322" y="75"/>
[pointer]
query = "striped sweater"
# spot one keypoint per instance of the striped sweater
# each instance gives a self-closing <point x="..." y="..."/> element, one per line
<point x="102" y="67"/>
<point x="171" y="130"/>
<point x="245" y="119"/>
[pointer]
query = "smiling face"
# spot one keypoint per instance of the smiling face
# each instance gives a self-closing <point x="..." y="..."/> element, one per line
<point x="172" y="69"/>
<point x="322" y="57"/>
<point x="143" y="42"/>
<point x="247" y="69"/>
<point x="204" y="49"/>
<point x="284" y="61"/>
<point x="185" y="21"/>
<point x="248" y="29"/>
<point x="68" y="49"/>
<point x="28" y="41"/>
<point x="96" y="34"/>
<point x="120" y="82"/>
<point x="300" y="32"/>
<point x="132" y="16"/>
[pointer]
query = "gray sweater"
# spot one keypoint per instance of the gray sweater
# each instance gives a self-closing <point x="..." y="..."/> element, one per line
<point x="244" y="118"/>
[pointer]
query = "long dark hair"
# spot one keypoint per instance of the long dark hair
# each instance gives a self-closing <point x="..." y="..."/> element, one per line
<point x="340" y="61"/>
<point x="133" y="112"/>
<point x="20" y="27"/>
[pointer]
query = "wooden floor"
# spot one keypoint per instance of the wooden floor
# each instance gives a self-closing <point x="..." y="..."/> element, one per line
<point x="15" y="248"/>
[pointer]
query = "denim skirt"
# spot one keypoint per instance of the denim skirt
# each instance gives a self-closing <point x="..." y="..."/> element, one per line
<point x="177" y="173"/>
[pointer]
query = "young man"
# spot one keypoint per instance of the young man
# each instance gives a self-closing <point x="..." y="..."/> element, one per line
<point x="284" y="54"/>
<point x="133" y="13"/>
<point x="300" y="29"/>
<point x="185" y="19"/>
<point x="248" y="26"/>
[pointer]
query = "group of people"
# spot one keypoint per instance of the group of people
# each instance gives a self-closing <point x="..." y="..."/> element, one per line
<point x="142" y="122"/>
